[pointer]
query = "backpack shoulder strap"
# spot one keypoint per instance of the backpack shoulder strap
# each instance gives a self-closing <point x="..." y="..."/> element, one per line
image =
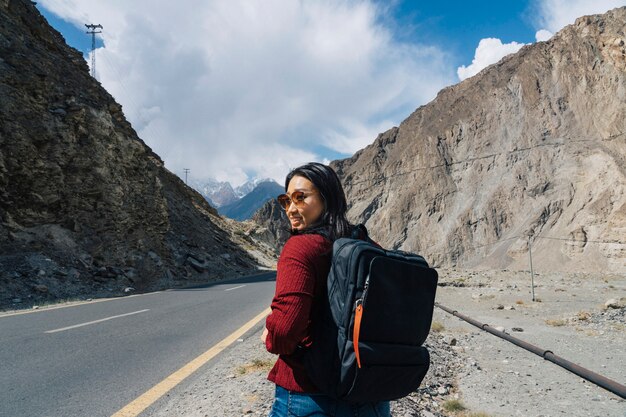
<point x="360" y="232"/>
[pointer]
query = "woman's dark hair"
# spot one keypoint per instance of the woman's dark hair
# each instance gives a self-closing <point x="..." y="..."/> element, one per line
<point x="333" y="222"/>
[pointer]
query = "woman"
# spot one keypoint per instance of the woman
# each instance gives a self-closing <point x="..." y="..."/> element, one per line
<point x="316" y="207"/>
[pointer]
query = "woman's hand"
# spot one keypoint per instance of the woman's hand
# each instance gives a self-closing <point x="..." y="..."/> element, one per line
<point x="264" y="335"/>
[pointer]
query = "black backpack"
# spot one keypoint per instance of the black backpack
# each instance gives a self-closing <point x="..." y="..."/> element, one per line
<point x="368" y="336"/>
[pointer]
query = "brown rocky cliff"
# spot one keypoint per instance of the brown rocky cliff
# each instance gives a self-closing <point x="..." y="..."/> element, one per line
<point x="83" y="201"/>
<point x="274" y="225"/>
<point x="534" y="145"/>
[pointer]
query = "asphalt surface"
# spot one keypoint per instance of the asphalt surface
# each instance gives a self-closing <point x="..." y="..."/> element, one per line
<point x="93" y="359"/>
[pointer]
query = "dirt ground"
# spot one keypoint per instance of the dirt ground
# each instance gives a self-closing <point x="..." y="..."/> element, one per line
<point x="569" y="317"/>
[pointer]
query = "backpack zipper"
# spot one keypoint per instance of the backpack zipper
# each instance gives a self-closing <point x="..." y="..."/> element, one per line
<point x="358" y="316"/>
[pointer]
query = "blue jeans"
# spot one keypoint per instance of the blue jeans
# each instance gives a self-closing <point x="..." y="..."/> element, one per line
<point x="296" y="404"/>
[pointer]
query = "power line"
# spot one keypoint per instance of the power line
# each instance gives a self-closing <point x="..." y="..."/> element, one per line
<point x="543" y="237"/>
<point x="493" y="243"/>
<point x="474" y="248"/>
<point x="186" y="172"/>
<point x="446" y="164"/>
<point x="382" y="178"/>
<point x="93" y="32"/>
<point x="581" y="241"/>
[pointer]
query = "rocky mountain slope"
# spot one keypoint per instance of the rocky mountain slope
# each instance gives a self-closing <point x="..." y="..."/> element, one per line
<point x="85" y="205"/>
<point x="533" y="146"/>
<point x="274" y="225"/>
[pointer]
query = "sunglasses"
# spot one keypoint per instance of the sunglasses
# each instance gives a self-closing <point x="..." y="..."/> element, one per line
<point x="297" y="197"/>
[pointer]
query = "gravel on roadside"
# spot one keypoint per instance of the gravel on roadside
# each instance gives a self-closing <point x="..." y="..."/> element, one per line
<point x="236" y="385"/>
<point x="472" y="373"/>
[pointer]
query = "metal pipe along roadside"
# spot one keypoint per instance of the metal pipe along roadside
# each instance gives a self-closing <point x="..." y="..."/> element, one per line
<point x="601" y="381"/>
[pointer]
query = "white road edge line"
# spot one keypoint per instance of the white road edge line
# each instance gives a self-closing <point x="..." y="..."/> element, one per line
<point x="234" y="288"/>
<point x="75" y="304"/>
<point x="95" y="321"/>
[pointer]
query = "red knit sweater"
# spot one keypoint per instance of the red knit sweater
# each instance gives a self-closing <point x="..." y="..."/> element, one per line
<point x="303" y="267"/>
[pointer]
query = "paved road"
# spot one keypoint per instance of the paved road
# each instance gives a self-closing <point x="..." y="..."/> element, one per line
<point x="123" y="347"/>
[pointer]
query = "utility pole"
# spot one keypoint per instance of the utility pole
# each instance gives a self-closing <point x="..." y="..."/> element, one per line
<point x="532" y="274"/>
<point x="93" y="32"/>
<point x="186" y="172"/>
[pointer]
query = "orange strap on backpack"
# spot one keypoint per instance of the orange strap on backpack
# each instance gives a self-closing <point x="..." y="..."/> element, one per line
<point x="357" y="329"/>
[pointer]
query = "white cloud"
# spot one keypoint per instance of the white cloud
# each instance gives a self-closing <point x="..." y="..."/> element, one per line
<point x="355" y="135"/>
<point x="543" y="35"/>
<point x="232" y="87"/>
<point x="489" y="51"/>
<point x="553" y="15"/>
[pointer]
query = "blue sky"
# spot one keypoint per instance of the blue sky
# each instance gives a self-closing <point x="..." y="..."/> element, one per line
<point x="460" y="25"/>
<point x="74" y="35"/>
<point x="236" y="88"/>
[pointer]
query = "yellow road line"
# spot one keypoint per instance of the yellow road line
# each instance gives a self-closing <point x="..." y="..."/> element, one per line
<point x="148" y="398"/>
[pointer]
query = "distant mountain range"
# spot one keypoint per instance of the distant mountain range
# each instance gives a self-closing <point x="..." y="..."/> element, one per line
<point x="248" y="186"/>
<point x="217" y="193"/>
<point x="245" y="207"/>
<point x="240" y="202"/>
